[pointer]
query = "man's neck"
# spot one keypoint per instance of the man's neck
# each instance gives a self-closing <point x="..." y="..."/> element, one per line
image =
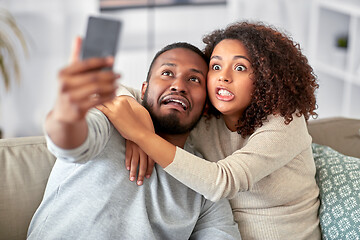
<point x="176" y="139"/>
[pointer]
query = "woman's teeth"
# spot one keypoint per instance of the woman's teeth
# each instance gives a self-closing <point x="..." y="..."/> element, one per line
<point x="223" y="92"/>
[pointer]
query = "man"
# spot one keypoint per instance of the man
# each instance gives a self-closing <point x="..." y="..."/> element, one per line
<point x="88" y="195"/>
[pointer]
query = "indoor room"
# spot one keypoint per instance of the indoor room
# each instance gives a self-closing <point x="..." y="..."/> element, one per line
<point x="245" y="126"/>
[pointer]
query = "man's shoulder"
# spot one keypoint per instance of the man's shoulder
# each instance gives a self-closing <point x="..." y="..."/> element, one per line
<point x="189" y="147"/>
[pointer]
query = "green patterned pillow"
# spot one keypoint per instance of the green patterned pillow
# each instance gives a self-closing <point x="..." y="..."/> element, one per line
<point x="338" y="177"/>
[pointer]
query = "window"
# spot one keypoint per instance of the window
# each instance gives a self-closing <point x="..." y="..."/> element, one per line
<point x="123" y="4"/>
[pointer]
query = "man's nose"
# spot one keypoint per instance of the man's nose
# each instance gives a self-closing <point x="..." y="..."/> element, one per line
<point x="179" y="85"/>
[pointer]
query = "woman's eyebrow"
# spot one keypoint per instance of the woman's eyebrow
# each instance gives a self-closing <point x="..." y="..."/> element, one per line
<point x="241" y="56"/>
<point x="216" y="57"/>
<point x="235" y="57"/>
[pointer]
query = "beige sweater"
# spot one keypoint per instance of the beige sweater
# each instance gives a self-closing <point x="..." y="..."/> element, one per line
<point x="269" y="176"/>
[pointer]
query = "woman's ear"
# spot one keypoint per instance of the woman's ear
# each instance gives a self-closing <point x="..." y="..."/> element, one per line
<point x="143" y="89"/>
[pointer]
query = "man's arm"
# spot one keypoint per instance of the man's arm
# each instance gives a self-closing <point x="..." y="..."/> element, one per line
<point x="216" y="222"/>
<point x="82" y="85"/>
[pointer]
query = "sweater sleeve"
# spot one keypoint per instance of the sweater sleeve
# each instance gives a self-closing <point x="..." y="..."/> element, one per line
<point x="269" y="148"/>
<point x="128" y="91"/>
<point x="99" y="133"/>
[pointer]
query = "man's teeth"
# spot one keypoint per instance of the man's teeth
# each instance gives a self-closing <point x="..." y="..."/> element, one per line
<point x="178" y="101"/>
<point x="224" y="92"/>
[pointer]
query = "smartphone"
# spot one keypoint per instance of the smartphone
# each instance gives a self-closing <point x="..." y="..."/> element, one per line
<point x="101" y="39"/>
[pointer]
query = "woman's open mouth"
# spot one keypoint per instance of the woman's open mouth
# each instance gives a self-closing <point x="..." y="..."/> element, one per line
<point x="223" y="94"/>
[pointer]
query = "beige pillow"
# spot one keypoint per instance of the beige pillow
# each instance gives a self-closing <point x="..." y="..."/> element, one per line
<point x="341" y="134"/>
<point x="25" y="165"/>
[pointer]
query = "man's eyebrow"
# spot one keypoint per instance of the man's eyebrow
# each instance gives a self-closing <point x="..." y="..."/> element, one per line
<point x="169" y="64"/>
<point x="192" y="69"/>
<point x="197" y="71"/>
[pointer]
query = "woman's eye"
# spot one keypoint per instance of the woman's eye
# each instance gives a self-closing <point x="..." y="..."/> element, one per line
<point x="216" y="67"/>
<point x="240" y="68"/>
<point x="167" y="73"/>
<point x="194" y="79"/>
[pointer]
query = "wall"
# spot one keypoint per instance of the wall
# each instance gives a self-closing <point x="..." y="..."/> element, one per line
<point x="51" y="25"/>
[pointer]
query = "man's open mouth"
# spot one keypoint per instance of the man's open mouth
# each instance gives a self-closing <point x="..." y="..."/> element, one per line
<point x="177" y="101"/>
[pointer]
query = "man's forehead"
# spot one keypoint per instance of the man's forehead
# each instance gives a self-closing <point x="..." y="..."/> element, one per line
<point x="180" y="56"/>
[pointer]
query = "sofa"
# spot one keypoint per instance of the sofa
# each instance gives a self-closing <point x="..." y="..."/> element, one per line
<point x="25" y="164"/>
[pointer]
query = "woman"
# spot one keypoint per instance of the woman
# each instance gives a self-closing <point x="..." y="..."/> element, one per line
<point x="254" y="137"/>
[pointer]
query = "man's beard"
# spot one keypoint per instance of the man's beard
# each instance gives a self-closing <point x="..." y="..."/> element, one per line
<point x="169" y="124"/>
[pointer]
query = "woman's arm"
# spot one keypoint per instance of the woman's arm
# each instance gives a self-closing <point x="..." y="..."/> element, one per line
<point x="268" y="149"/>
<point x="134" y="123"/>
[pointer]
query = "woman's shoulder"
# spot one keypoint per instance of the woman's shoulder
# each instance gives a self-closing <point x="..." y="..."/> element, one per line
<point x="277" y="123"/>
<point x="276" y="120"/>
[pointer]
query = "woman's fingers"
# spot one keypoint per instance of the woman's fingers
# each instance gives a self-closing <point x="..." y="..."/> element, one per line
<point x="134" y="165"/>
<point x="143" y="158"/>
<point x="150" y="168"/>
<point x="137" y="162"/>
<point x="128" y="154"/>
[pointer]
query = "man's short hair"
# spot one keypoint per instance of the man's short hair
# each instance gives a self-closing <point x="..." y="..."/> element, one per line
<point x="173" y="46"/>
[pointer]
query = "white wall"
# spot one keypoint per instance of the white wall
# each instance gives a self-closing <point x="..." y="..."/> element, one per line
<point x="51" y="25"/>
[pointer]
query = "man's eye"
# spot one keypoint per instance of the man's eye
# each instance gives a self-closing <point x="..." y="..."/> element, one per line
<point x="216" y="67"/>
<point x="167" y="73"/>
<point x="194" y="79"/>
<point x="240" y="68"/>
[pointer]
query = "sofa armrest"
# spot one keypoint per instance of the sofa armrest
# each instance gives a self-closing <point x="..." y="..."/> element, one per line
<point x="341" y="134"/>
<point x="25" y="165"/>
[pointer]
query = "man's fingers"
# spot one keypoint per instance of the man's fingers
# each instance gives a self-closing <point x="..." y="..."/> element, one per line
<point x="76" y="50"/>
<point x="90" y="64"/>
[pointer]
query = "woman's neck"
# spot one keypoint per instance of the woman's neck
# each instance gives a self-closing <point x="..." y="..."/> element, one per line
<point x="231" y="122"/>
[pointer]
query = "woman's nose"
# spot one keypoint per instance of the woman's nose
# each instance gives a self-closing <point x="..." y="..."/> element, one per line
<point x="225" y="75"/>
<point x="223" y="78"/>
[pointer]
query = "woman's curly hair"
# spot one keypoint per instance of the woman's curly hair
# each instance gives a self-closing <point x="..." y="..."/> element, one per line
<point x="284" y="82"/>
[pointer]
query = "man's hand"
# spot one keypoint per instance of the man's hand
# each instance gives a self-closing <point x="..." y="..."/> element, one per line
<point x="82" y="85"/>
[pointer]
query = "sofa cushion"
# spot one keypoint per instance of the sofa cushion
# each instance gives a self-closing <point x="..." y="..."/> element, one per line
<point x="341" y="134"/>
<point x="338" y="177"/>
<point x="25" y="165"/>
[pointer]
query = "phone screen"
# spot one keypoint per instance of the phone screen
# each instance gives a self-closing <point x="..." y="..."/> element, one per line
<point x="101" y="37"/>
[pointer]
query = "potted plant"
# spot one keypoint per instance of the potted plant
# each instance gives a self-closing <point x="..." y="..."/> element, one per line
<point x="9" y="62"/>
<point x="10" y="38"/>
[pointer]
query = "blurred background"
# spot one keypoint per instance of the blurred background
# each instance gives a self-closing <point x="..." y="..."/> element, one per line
<point x="327" y="31"/>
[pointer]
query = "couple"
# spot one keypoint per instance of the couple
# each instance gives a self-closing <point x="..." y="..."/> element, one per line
<point x="261" y="91"/>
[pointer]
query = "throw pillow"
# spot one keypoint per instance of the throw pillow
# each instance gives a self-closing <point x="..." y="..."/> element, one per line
<point x="338" y="177"/>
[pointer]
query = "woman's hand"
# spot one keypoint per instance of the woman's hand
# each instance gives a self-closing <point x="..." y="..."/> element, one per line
<point x="134" y="155"/>
<point x="130" y="118"/>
